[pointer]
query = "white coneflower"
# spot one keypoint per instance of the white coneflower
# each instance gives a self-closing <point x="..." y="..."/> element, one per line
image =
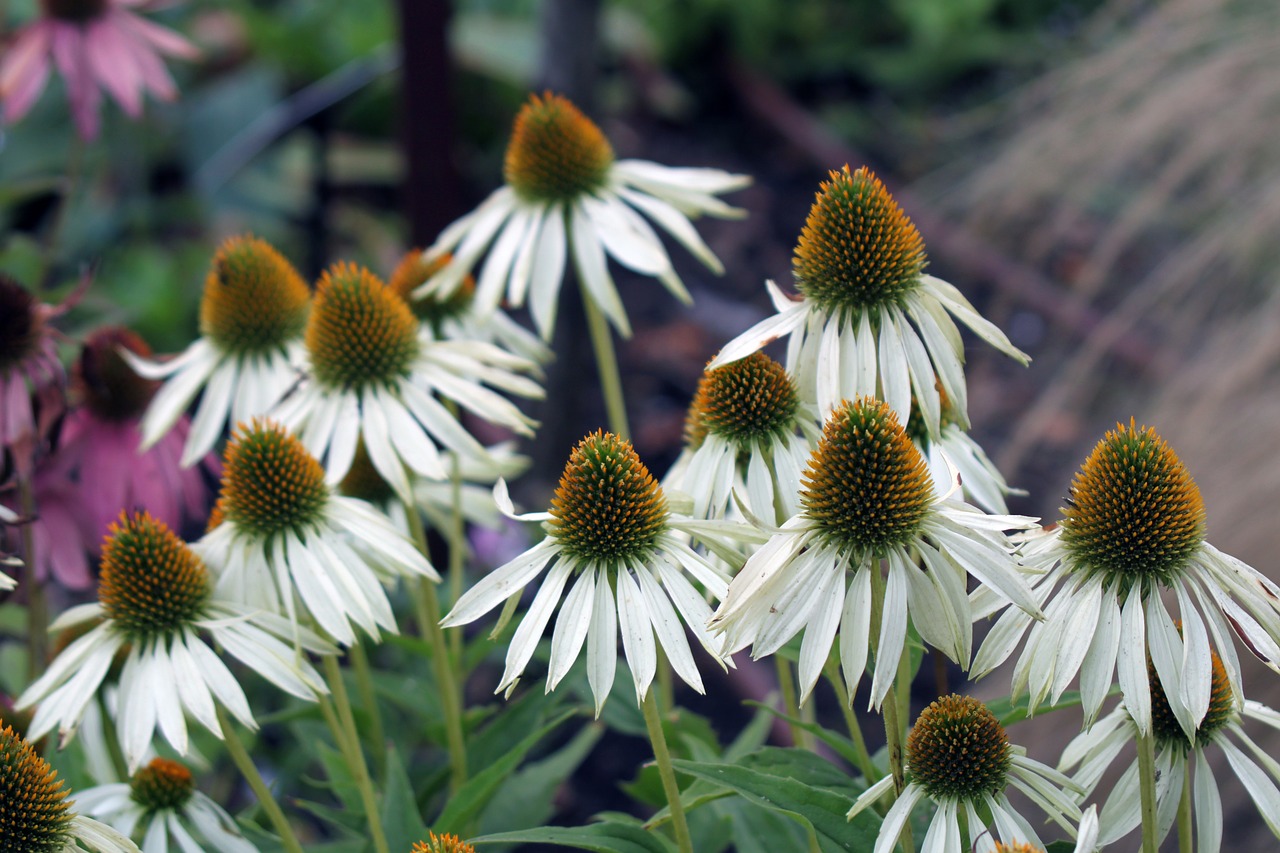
<point x="252" y="316"/>
<point x="155" y="606"/>
<point x="869" y="321"/>
<point x="455" y="316"/>
<point x="868" y="499"/>
<point x="610" y="532"/>
<point x="1094" y="751"/>
<point x="746" y="432"/>
<point x="566" y="193"/>
<point x="282" y="537"/>
<point x="160" y="803"/>
<point x="1132" y="528"/>
<point x="373" y="374"/>
<point x="959" y="756"/>
<point x="35" y="815"/>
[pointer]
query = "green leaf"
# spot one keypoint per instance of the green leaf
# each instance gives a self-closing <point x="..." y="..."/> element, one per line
<point x="400" y="817"/>
<point x="526" y="798"/>
<point x="479" y="789"/>
<point x="1009" y="711"/>
<point x="787" y="781"/>
<point x="601" y="837"/>
<point x="842" y="745"/>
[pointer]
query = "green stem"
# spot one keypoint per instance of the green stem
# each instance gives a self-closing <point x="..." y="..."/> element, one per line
<point x="666" y="685"/>
<point x="240" y="756"/>
<point x="1147" y="779"/>
<point x="789" y="705"/>
<point x="355" y="756"/>
<point x="869" y="772"/>
<point x="37" y="606"/>
<point x="653" y="723"/>
<point x="428" y="611"/>
<point x="369" y="699"/>
<point x="607" y="365"/>
<point x="893" y="727"/>
<point x="941" y="674"/>
<point x="1184" y="813"/>
<point x="457" y="552"/>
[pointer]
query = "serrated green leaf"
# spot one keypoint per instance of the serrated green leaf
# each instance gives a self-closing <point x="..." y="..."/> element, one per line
<point x="600" y="837"/>
<point x="401" y="820"/>
<point x="526" y="798"/>
<point x="465" y="805"/>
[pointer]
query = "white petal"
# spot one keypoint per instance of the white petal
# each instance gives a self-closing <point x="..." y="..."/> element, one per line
<point x="602" y="644"/>
<point x="668" y="628"/>
<point x="820" y="632"/>
<point x="761" y="335"/>
<point x="571" y="626"/>
<point x="593" y="270"/>
<point x="1100" y="661"/>
<point x="1207" y="806"/>
<point x="855" y="629"/>
<point x="637" y="634"/>
<point x="1197" y="663"/>
<point x="893" y="634"/>
<point x="500" y="584"/>
<point x="674" y="223"/>
<point x="211" y="417"/>
<point x="525" y="640"/>
<point x="548" y="272"/>
<point x="1132" y="663"/>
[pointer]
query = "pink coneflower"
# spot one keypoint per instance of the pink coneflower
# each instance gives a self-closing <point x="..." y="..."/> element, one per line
<point x="102" y="436"/>
<point x="95" y="44"/>
<point x="57" y="541"/>
<point x="31" y="377"/>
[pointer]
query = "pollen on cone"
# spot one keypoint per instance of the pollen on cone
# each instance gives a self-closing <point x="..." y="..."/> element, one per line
<point x="152" y="583"/>
<point x="413" y="271"/>
<point x="162" y="784"/>
<point x="750" y="398"/>
<point x="270" y="482"/>
<point x="556" y="153"/>
<point x="958" y="749"/>
<point x="360" y="333"/>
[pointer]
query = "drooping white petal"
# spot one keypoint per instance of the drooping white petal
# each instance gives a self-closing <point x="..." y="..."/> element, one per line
<point x="602" y="644"/>
<point x="525" y="640"/>
<point x="571" y="626"/>
<point x="500" y="584"/>
<point x="593" y="270"/>
<point x="637" y="634"/>
<point x="893" y="635"/>
<point x="1132" y="663"/>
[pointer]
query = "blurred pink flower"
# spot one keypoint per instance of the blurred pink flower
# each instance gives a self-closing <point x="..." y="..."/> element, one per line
<point x="95" y="44"/>
<point x="57" y="539"/>
<point x="31" y="378"/>
<point x="101" y="439"/>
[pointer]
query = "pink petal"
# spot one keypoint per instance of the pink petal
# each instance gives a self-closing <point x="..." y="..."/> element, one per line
<point x="161" y="38"/>
<point x="82" y="88"/>
<point x="16" y="419"/>
<point x="24" y="71"/>
<point x="155" y="77"/>
<point x="66" y="553"/>
<point x="111" y="59"/>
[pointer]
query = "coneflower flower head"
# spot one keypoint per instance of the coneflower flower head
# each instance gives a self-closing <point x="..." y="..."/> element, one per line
<point x="611" y="532"/>
<point x="567" y="198"/>
<point x="1132" y="529"/>
<point x="869" y="321"/>
<point x="608" y="509"/>
<point x="271" y="485"/>
<point x="252" y="315"/>
<point x="360" y="335"/>
<point x="1134" y="516"/>
<point x="741" y="436"/>
<point x="442" y="844"/>
<point x="254" y="301"/>
<point x="867" y="486"/>
<point x="155" y="604"/>
<point x="858" y="251"/>
<point x="868" y="498"/>
<point x="959" y="756"/>
<point x="151" y="583"/>
<point x="434" y="309"/>
<point x="35" y="815"/>
<point x="162" y="785"/>
<point x="556" y="153"/>
<point x="21" y="324"/>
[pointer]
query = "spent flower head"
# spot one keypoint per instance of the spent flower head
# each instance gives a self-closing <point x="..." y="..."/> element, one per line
<point x="566" y="194"/>
<point x="869" y="321"/>
<point x="1132" y="529"/>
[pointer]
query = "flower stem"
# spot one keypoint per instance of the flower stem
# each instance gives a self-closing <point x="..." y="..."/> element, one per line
<point x="457" y="551"/>
<point x="37" y="607"/>
<point x="653" y="723"/>
<point x="789" y="706"/>
<point x="607" y="365"/>
<point x="369" y="699"/>
<point x="427" y="604"/>
<point x="869" y="772"/>
<point x="355" y="755"/>
<point x="1147" y="780"/>
<point x="240" y="756"/>
<point x="1184" y="814"/>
